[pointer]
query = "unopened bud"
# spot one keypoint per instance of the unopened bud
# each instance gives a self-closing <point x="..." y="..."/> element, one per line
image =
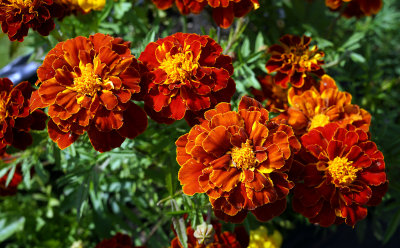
<point x="204" y="234"/>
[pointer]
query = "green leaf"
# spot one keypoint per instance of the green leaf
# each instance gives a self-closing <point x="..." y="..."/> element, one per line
<point x="245" y="49"/>
<point x="353" y="40"/>
<point x="121" y="8"/>
<point x="358" y="58"/>
<point x="14" y="226"/>
<point x="259" y="42"/>
<point x="179" y="225"/>
<point x="10" y="175"/>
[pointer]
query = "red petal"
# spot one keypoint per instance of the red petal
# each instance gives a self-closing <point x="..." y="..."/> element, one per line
<point x="268" y="211"/>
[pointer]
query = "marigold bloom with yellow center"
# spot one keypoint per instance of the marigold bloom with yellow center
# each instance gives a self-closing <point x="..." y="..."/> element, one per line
<point x="88" y="85"/>
<point x="294" y="61"/>
<point x="355" y="8"/>
<point x="316" y="108"/>
<point x="276" y="96"/>
<point x="342" y="172"/>
<point x="260" y="238"/>
<point x="239" y="159"/>
<point x="189" y="75"/>
<point x="15" y="119"/>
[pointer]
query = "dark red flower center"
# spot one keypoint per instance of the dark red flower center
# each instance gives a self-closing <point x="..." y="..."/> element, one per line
<point x="243" y="157"/>
<point x="179" y="67"/>
<point x="342" y="171"/>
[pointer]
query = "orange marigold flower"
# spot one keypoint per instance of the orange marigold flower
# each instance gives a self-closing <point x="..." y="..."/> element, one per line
<point x="119" y="240"/>
<point x="11" y="188"/>
<point x="294" y="62"/>
<point x="184" y="6"/>
<point x="224" y="11"/>
<point x="240" y="160"/>
<point x="190" y="74"/>
<point x="346" y="172"/>
<point x="18" y="16"/>
<point x="211" y="236"/>
<point x="276" y="96"/>
<point x="15" y="119"/>
<point x="356" y="8"/>
<point x="88" y="84"/>
<point x="314" y="108"/>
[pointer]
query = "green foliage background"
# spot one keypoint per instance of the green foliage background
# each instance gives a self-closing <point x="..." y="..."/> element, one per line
<point x="80" y="194"/>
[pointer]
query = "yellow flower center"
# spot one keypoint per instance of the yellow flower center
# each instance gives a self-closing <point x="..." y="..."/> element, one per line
<point x="319" y="120"/>
<point x="342" y="171"/>
<point x="305" y="58"/>
<point x="179" y="67"/>
<point x="244" y="157"/>
<point x="88" y="83"/>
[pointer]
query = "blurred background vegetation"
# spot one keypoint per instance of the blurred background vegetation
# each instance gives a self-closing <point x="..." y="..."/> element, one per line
<point x="79" y="194"/>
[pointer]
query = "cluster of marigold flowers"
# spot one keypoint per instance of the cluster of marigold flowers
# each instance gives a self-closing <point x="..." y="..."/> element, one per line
<point x="318" y="147"/>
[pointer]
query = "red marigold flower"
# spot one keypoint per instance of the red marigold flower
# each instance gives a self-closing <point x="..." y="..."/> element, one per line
<point x="88" y="84"/>
<point x="119" y="240"/>
<point x="276" y="96"/>
<point x="224" y="11"/>
<point x="211" y="236"/>
<point x="190" y="74"/>
<point x="184" y="6"/>
<point x="315" y="108"/>
<point x="240" y="160"/>
<point x="356" y="8"/>
<point x="346" y="172"/>
<point x="294" y="62"/>
<point x="15" y="119"/>
<point x="18" y="16"/>
<point x="11" y="188"/>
